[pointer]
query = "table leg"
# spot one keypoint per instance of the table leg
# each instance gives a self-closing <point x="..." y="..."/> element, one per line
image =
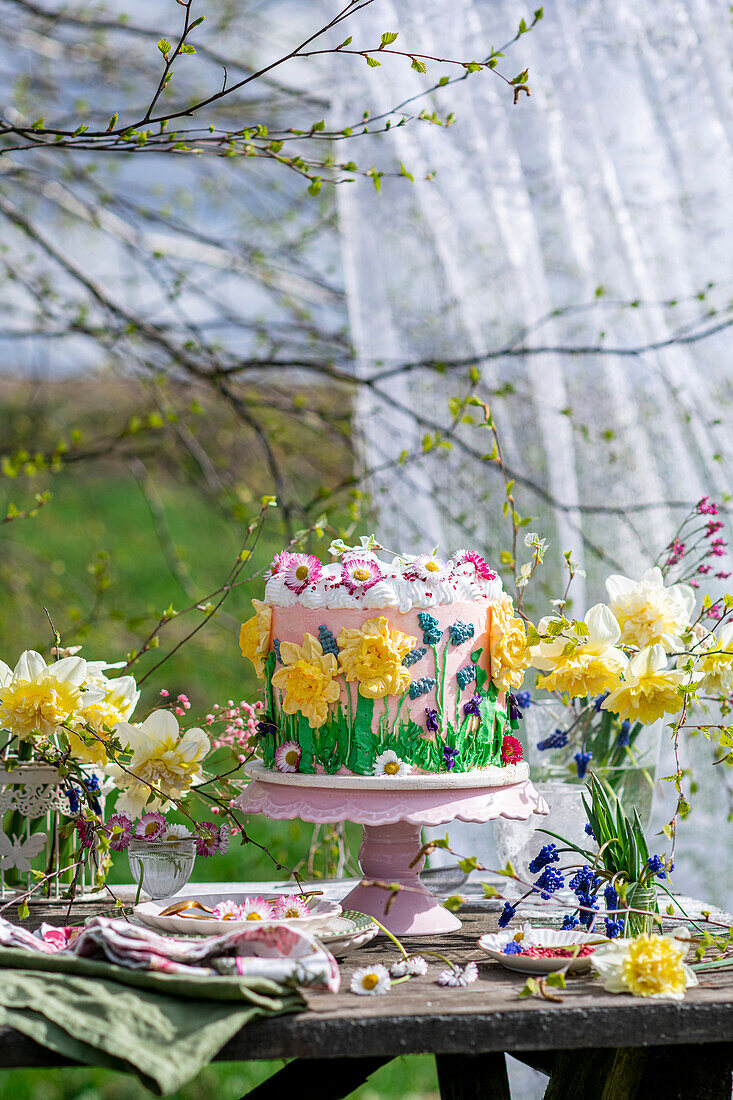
<point x="640" y="1073"/>
<point x="472" y="1076"/>
<point x="317" y="1079"/>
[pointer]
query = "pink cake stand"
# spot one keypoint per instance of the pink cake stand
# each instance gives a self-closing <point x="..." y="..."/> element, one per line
<point x="392" y="810"/>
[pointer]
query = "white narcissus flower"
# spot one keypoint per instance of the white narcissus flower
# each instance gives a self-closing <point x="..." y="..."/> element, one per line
<point x="649" y="612"/>
<point x="36" y="698"/>
<point x="648" y="966"/>
<point x="593" y="662"/>
<point x="715" y="662"/>
<point x="161" y="756"/>
<point x="649" y="690"/>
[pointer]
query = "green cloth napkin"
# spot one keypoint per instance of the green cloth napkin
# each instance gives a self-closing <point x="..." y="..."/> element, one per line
<point x="162" y="1027"/>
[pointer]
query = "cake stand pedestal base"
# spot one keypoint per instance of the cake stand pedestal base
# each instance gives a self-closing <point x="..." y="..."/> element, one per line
<point x="392" y="810"/>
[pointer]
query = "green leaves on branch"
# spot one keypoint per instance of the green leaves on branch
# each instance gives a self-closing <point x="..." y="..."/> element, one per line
<point x="164" y="46"/>
<point x="388" y="38"/>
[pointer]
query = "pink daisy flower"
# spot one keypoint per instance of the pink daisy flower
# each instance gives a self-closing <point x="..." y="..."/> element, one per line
<point x="511" y="750"/>
<point x="207" y="839"/>
<point x="223" y="838"/>
<point x="471" y="558"/>
<point x="279" y="563"/>
<point x="427" y="567"/>
<point x="302" y="570"/>
<point x="287" y="756"/>
<point x="86" y="833"/>
<point x="227" y="910"/>
<point x="359" y="574"/>
<point x="119" y="829"/>
<point x="256" y="909"/>
<point x="151" y="826"/>
<point x="288" y="906"/>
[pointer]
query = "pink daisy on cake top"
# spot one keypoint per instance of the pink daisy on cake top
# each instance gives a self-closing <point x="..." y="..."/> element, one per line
<point x="289" y="907"/>
<point x="360" y="573"/>
<point x="256" y="909"/>
<point x="279" y="563"/>
<point x="511" y="750"/>
<point x="468" y="559"/>
<point x="150" y="826"/>
<point x="287" y="756"/>
<point x="300" y="571"/>
<point x="428" y="567"/>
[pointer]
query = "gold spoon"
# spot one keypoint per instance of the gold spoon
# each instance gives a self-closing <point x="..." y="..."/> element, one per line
<point x="179" y="909"/>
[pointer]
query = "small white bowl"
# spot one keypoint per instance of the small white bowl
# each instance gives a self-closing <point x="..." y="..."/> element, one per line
<point x="493" y="943"/>
<point x="149" y="913"/>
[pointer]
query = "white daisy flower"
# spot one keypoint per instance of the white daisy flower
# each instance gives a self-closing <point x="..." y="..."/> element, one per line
<point x="227" y="910"/>
<point x="371" y="981"/>
<point x="289" y="906"/>
<point x="427" y="567"/>
<point x="458" y="976"/>
<point x="256" y="909"/>
<point x="417" y="966"/>
<point x="175" y="832"/>
<point x="389" y="763"/>
<point x="287" y="756"/>
<point x="399" y="969"/>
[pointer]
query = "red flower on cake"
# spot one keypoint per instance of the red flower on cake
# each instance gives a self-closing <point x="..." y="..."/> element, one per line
<point x="470" y="557"/>
<point x="301" y="570"/>
<point x="359" y="574"/>
<point x="511" y="750"/>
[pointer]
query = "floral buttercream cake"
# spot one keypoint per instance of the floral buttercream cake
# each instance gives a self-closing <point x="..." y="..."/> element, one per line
<point x="387" y="665"/>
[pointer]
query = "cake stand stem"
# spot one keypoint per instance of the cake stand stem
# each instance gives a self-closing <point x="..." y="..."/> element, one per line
<point x="388" y="854"/>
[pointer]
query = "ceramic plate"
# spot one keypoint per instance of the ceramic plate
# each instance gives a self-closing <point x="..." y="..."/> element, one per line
<point x="149" y="913"/>
<point x="346" y="932"/>
<point x="493" y="943"/>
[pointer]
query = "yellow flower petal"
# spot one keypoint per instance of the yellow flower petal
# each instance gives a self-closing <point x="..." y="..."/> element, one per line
<point x="373" y="657"/>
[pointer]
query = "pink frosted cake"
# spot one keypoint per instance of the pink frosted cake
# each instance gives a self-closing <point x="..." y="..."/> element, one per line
<point x="377" y="667"/>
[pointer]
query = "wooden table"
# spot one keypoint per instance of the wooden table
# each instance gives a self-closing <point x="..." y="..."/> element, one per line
<point x="594" y="1045"/>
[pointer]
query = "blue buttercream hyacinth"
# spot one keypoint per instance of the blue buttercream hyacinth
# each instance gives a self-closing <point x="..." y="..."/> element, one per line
<point x="523" y="699"/>
<point x="327" y="640"/>
<point x="547" y="854"/>
<point x="460" y="632"/>
<point x="465" y="675"/>
<point x="431" y="632"/>
<point x="414" y="656"/>
<point x="421" y="687"/>
<point x="507" y="913"/>
<point x="276" y="647"/>
<point x="556" y="740"/>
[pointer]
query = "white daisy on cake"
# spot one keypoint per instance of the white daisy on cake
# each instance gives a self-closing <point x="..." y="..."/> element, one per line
<point x="471" y="564"/>
<point x="389" y="763"/>
<point x="287" y="756"/>
<point x="428" y="567"/>
<point x="360" y="572"/>
<point x="301" y="571"/>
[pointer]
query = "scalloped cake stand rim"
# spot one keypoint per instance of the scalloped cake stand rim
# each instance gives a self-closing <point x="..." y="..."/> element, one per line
<point x="443" y="781"/>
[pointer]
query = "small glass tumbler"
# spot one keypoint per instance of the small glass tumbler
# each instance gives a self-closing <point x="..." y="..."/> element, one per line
<point x="164" y="865"/>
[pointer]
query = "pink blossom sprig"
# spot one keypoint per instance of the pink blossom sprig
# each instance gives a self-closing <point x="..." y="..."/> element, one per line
<point x="240" y="726"/>
<point x="694" y="543"/>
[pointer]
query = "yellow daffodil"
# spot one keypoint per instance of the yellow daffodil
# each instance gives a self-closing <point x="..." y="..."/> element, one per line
<point x="648" y="612"/>
<point x="508" y="645"/>
<point x="254" y="636"/>
<point x="648" y="690"/>
<point x="161" y="756"/>
<point x="307" y="680"/>
<point x="36" y="698"/>
<point x="716" y="663"/>
<point x="648" y="966"/>
<point x="582" y="664"/>
<point x="373" y="656"/>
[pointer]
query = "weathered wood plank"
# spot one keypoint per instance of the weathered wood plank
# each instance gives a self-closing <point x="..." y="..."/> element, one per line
<point x="472" y="1077"/>
<point x="674" y="1073"/>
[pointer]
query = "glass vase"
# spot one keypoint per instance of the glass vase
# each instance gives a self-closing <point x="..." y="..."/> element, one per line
<point x="164" y="866"/>
<point x="639" y="896"/>
<point x="518" y="842"/>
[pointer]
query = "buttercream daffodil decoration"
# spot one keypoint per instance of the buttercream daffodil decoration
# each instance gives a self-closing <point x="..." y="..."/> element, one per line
<point x="372" y="655"/>
<point x="649" y="690"/>
<point x="585" y="662"/>
<point x="509" y="653"/>
<point x="307" y="680"/>
<point x="254" y="636"/>
<point x="648" y="612"/>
